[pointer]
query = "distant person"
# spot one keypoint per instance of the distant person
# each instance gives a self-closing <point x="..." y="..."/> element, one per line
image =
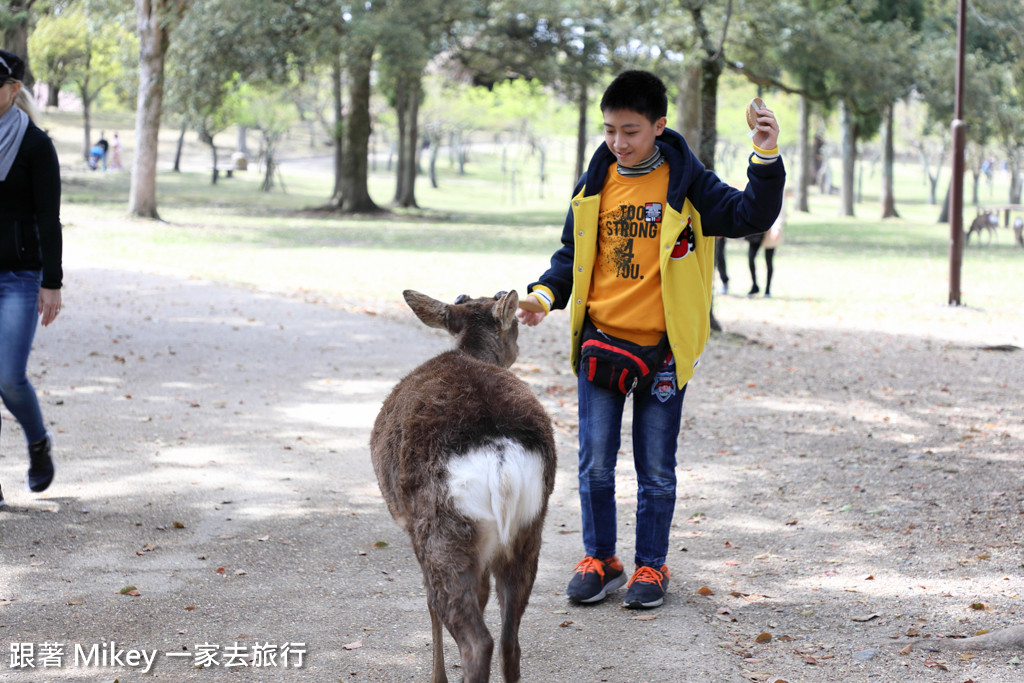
<point x="115" y="154"/>
<point x="95" y="156"/>
<point x="30" y="257"/>
<point x="769" y="241"/>
<point x="635" y="270"/>
<point x="104" y="147"/>
<point x="720" y="264"/>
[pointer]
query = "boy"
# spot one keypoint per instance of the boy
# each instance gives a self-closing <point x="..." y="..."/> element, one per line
<point x="636" y="263"/>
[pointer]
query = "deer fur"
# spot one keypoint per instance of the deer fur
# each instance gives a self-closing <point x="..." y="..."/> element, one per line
<point x="465" y="458"/>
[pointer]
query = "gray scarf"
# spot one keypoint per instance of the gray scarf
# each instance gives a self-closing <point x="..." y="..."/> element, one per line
<point x="12" y="130"/>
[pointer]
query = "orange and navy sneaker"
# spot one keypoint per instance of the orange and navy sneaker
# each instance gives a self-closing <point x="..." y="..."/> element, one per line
<point x="594" y="579"/>
<point x="646" y="588"/>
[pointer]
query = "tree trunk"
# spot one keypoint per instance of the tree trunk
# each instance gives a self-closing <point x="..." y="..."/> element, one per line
<point x="407" y="105"/>
<point x="688" y="105"/>
<point x="153" y="42"/>
<point x="338" y="133"/>
<point x="944" y="211"/>
<point x="804" y="174"/>
<point x="86" y="122"/>
<point x="355" y="192"/>
<point x="710" y="72"/>
<point x="180" y="147"/>
<point x="888" y="160"/>
<point x="404" y="153"/>
<point x="582" y="102"/>
<point x="52" y="95"/>
<point x="213" y="153"/>
<point x="435" y="149"/>
<point x="849" y="160"/>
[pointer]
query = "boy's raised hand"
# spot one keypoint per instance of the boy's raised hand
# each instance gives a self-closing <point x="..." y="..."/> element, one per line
<point x="766" y="132"/>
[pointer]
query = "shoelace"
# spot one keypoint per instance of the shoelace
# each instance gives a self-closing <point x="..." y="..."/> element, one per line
<point x="647" y="575"/>
<point x="590" y="564"/>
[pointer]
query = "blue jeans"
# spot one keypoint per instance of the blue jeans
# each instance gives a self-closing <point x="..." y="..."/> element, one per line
<point x="19" y="315"/>
<point x="657" y="412"/>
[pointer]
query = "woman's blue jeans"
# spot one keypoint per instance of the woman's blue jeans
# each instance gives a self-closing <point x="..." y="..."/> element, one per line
<point x="657" y="413"/>
<point x="19" y="315"/>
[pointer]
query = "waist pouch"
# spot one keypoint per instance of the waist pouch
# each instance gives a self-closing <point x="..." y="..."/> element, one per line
<point x="619" y="364"/>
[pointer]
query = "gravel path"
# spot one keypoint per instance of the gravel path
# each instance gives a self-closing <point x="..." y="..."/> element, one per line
<point x="843" y="495"/>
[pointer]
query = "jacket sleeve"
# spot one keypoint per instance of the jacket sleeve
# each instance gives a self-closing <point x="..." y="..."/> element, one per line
<point x="558" y="278"/>
<point x="728" y="212"/>
<point x="46" y="198"/>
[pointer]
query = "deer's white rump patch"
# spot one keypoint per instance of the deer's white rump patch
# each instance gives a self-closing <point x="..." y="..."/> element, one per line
<point x="499" y="485"/>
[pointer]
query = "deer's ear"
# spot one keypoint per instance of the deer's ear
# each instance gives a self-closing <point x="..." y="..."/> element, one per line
<point x="505" y="309"/>
<point x="431" y="312"/>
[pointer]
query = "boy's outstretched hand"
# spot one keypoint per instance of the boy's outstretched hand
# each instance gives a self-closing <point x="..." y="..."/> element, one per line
<point x="531" y="311"/>
<point x="766" y="131"/>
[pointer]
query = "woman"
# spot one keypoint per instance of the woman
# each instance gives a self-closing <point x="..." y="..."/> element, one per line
<point x="30" y="257"/>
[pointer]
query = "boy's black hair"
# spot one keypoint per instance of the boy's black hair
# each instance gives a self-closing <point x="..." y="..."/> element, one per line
<point x="639" y="91"/>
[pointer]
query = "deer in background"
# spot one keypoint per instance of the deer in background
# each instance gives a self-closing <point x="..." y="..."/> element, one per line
<point x="465" y="457"/>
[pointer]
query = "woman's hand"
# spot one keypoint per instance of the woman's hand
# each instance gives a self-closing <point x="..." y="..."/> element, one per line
<point x="49" y="305"/>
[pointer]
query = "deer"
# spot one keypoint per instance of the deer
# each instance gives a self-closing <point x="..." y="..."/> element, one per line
<point x="465" y="458"/>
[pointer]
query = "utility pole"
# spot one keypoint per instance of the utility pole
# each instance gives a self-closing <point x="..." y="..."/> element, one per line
<point x="956" y="190"/>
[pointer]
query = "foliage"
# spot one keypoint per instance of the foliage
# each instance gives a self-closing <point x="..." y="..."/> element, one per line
<point x="82" y="50"/>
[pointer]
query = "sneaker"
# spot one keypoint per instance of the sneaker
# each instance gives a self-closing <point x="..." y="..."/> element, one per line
<point x="646" y="588"/>
<point x="40" y="469"/>
<point x="594" y="579"/>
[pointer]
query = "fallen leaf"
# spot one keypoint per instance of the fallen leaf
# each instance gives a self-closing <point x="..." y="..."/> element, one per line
<point x="865" y="617"/>
<point x="380" y="544"/>
<point x="221" y="570"/>
<point x="5" y="602"/>
<point x="644" y="617"/>
<point x="978" y="605"/>
<point x="239" y="572"/>
<point x="763" y="638"/>
<point x="705" y="591"/>
<point x="907" y="649"/>
<point x="189" y="608"/>
<point x="353" y="646"/>
<point x="932" y="664"/>
<point x="810" y="660"/>
<point x="179" y="525"/>
<point x="565" y="623"/>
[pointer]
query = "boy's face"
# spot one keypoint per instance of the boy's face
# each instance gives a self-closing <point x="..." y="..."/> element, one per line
<point x="630" y="135"/>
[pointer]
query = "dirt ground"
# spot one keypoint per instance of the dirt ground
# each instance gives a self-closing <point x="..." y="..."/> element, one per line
<point x="850" y="501"/>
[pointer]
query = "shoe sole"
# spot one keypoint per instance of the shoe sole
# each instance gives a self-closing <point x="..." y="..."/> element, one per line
<point x="614" y="584"/>
<point x="644" y="605"/>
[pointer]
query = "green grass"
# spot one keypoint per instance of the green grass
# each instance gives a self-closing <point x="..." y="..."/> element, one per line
<point x="482" y="232"/>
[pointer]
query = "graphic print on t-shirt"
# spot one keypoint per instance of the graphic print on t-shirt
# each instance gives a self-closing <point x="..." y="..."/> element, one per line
<point x="621" y="230"/>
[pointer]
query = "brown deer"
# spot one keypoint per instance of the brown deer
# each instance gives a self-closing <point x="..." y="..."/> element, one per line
<point x="465" y="457"/>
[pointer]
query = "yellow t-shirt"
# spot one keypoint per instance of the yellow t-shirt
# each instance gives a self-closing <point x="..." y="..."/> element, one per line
<point x="625" y="291"/>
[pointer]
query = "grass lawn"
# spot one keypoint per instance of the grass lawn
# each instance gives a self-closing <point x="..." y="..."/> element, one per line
<point x="495" y="228"/>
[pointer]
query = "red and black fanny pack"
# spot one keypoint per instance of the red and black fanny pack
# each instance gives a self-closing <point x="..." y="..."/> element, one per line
<point x="619" y="364"/>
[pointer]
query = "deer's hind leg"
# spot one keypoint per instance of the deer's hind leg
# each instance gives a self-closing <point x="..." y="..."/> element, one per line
<point x="454" y="581"/>
<point x="514" y="575"/>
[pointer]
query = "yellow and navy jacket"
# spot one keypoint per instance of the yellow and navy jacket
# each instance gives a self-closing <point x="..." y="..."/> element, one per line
<point x="699" y="207"/>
